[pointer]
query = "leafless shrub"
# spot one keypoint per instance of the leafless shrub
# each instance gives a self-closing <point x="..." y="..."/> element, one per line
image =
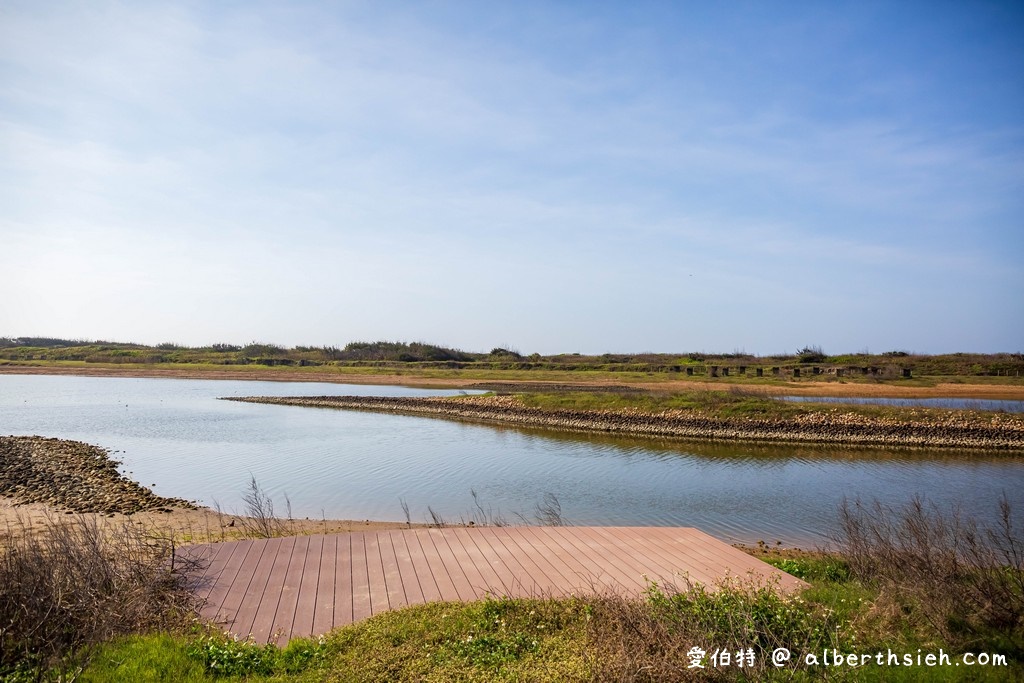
<point x="405" y="511"/>
<point x="220" y="519"/>
<point x="967" y="580"/>
<point x="482" y="516"/>
<point x="436" y="519"/>
<point x="259" y="520"/>
<point x="76" y="582"/>
<point x="549" y="511"/>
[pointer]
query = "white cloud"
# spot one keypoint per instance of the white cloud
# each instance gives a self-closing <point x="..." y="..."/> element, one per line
<point x="389" y="159"/>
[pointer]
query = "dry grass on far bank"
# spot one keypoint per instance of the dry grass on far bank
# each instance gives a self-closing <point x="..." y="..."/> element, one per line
<point x="1003" y="388"/>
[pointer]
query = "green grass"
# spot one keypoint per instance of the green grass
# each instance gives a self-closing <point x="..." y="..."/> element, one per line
<point x="573" y="639"/>
<point x="735" y="403"/>
<point x="155" y="657"/>
<point x="490" y="640"/>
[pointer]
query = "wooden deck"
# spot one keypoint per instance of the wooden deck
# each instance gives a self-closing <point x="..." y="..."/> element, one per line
<point x="274" y="590"/>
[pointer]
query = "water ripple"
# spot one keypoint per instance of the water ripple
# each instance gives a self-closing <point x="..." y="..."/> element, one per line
<point x="175" y="433"/>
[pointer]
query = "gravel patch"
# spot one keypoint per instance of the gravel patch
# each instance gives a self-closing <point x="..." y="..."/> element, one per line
<point x="953" y="430"/>
<point x="74" y="477"/>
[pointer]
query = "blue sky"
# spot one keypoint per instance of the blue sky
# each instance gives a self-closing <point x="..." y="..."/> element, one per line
<point x="548" y="176"/>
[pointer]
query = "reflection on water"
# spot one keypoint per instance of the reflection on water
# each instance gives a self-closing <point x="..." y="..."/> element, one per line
<point x="176" y="434"/>
<point x="953" y="403"/>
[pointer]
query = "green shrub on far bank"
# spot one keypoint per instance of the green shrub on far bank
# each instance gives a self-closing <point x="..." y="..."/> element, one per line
<point x="423" y="358"/>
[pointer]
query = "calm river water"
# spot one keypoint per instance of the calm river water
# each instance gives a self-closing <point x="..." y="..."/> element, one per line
<point x="175" y="436"/>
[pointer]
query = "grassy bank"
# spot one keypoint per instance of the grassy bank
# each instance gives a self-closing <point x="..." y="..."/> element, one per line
<point x="733" y="416"/>
<point x="910" y="581"/>
<point x="386" y="362"/>
<point x="738" y="402"/>
<point x="606" y="638"/>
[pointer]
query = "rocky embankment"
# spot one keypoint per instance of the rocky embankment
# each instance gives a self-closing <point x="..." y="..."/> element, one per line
<point x="72" y="476"/>
<point x="950" y="429"/>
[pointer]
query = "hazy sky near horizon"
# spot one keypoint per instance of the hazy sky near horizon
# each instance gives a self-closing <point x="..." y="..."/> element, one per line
<point x="548" y="176"/>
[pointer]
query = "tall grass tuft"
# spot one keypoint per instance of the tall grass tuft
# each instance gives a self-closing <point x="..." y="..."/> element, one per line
<point x="726" y="632"/>
<point x="964" y="579"/>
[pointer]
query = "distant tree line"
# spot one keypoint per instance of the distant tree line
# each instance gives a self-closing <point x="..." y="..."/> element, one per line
<point x="384" y="353"/>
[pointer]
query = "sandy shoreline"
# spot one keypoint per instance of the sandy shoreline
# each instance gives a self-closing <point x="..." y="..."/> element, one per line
<point x="185" y="526"/>
<point x="44" y="479"/>
<point x="807" y="387"/>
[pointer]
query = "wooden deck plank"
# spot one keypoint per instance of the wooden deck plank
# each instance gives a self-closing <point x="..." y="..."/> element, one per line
<point x="203" y="576"/>
<point x="534" y="579"/>
<point x="212" y="560"/>
<point x="392" y="571"/>
<point x="284" y="619"/>
<point x="305" y="603"/>
<point x="509" y="571"/>
<point x="564" y="579"/>
<point x="662" y="568"/>
<point x="265" y="626"/>
<point x="584" y="573"/>
<point x="491" y="581"/>
<point x="736" y="558"/>
<point x="602" y="574"/>
<point x="424" y="574"/>
<point x="362" y="602"/>
<point x="326" y="582"/>
<point x="232" y="593"/>
<point x="344" y="605"/>
<point x="473" y="579"/>
<point x="516" y="578"/>
<point x="278" y="589"/>
<point x="690" y="558"/>
<point x="231" y="558"/>
<point x="445" y="585"/>
<point x="673" y="562"/>
<point x="687" y="549"/>
<point x="453" y="557"/>
<point x="408" y="575"/>
<point x="379" y="598"/>
<point x="554" y="581"/>
<point x="646" y="561"/>
<point x="258" y="599"/>
<point x="625" y="564"/>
